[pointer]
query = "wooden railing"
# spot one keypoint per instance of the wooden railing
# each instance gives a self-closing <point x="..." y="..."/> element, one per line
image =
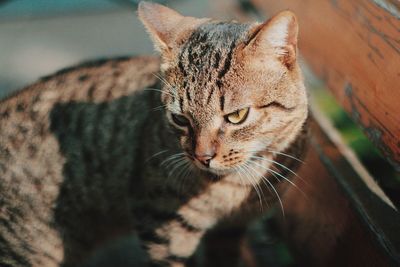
<point x="354" y="47"/>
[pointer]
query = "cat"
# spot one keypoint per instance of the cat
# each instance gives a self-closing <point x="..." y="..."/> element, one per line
<point x="164" y="149"/>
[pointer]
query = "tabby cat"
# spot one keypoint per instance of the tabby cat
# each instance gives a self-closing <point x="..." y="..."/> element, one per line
<point x="100" y="150"/>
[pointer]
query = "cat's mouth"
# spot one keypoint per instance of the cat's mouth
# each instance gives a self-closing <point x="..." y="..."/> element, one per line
<point x="214" y="167"/>
<point x="244" y="165"/>
<point x="225" y="165"/>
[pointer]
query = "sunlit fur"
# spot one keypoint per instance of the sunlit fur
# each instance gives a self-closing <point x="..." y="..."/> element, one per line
<point x="211" y="69"/>
<point x="87" y="154"/>
<point x="217" y="71"/>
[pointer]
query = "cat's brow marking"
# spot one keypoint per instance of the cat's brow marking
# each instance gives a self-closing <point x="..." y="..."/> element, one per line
<point x="222" y="102"/>
<point x="227" y="63"/>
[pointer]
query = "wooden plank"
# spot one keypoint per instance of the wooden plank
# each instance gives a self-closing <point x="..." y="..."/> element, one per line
<point x="336" y="219"/>
<point x="355" y="47"/>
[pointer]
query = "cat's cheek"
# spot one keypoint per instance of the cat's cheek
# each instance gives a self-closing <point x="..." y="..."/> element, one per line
<point x="185" y="144"/>
<point x="255" y="146"/>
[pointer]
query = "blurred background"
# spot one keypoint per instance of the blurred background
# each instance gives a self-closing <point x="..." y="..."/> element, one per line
<point x="40" y="37"/>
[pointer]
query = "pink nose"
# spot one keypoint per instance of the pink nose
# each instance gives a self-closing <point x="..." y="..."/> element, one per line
<point x="205" y="159"/>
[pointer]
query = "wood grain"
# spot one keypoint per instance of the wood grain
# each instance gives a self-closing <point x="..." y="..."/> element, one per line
<point x="354" y="46"/>
<point x="335" y="220"/>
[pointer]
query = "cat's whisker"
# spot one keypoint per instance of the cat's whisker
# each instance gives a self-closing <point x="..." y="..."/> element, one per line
<point x="172" y="165"/>
<point x="287" y="155"/>
<point x="171" y="162"/>
<point x="272" y="187"/>
<point x="245" y="178"/>
<point x="181" y="178"/>
<point x="253" y="169"/>
<point x="274" y="172"/>
<point x="171" y="157"/>
<point x="255" y="185"/>
<point x="277" y="163"/>
<point x="157" y="90"/>
<point x="277" y="152"/>
<point x="185" y="165"/>
<point x="160" y="78"/>
<point x="155" y="155"/>
<point x="240" y="175"/>
<point x="179" y="163"/>
<point x="280" y="175"/>
<point x="281" y="165"/>
<point x="239" y="171"/>
<point x="257" y="173"/>
<point x="168" y="173"/>
<point x="163" y="80"/>
<point x="186" y="173"/>
<point x="180" y="169"/>
<point x="276" y="178"/>
<point x="161" y="107"/>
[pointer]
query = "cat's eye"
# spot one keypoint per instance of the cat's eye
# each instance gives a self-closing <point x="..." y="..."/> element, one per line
<point x="238" y="116"/>
<point x="180" y="120"/>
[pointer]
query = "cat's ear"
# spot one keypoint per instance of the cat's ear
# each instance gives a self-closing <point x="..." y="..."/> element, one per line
<point x="165" y="26"/>
<point x="279" y="35"/>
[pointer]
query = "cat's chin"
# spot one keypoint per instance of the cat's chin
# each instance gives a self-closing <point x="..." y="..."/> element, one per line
<point x="213" y="171"/>
<point x="218" y="172"/>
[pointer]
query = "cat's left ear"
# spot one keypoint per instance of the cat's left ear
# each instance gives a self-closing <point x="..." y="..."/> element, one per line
<point x="278" y="35"/>
<point x="166" y="27"/>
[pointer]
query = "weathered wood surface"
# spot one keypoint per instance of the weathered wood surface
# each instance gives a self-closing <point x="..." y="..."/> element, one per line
<point x="336" y="219"/>
<point x="355" y="47"/>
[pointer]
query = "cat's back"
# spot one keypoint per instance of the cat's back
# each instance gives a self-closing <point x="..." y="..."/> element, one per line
<point x="25" y="115"/>
<point x="26" y="118"/>
<point x="92" y="81"/>
<point x="31" y="161"/>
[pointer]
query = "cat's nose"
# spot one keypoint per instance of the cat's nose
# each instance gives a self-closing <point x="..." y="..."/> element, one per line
<point x="205" y="159"/>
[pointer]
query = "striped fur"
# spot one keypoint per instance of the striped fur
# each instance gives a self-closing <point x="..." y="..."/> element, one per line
<point x="91" y="153"/>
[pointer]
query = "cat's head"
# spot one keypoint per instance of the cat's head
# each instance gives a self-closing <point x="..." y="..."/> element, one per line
<point x="232" y="90"/>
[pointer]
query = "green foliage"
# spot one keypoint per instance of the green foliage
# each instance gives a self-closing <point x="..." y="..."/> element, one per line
<point x="372" y="159"/>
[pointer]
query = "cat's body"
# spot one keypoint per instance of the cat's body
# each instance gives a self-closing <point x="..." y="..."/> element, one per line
<point x="87" y="155"/>
<point x="35" y="155"/>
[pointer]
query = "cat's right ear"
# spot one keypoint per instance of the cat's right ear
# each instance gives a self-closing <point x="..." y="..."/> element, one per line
<point x="166" y="27"/>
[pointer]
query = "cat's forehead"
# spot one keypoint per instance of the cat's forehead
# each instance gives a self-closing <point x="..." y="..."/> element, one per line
<point x="210" y="47"/>
<point x="217" y="34"/>
<point x="204" y="61"/>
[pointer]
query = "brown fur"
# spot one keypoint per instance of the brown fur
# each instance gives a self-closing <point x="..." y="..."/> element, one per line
<point x="87" y="154"/>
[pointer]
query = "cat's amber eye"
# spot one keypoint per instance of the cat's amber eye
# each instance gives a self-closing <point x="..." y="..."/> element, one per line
<point x="180" y="120"/>
<point x="238" y="116"/>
